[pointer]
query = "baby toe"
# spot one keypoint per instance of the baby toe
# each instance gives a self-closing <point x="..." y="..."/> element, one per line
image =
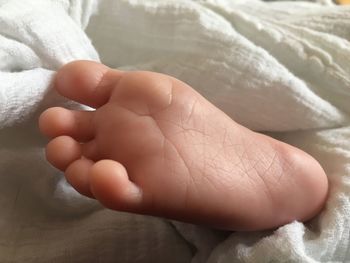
<point x="86" y="82"/>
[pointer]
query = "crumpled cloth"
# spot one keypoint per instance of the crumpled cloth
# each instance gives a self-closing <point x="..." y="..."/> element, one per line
<point x="281" y="68"/>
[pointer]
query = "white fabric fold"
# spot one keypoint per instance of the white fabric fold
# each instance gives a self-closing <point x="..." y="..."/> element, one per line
<point x="278" y="67"/>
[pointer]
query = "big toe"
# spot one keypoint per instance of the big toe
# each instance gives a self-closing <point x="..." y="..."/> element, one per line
<point x="110" y="185"/>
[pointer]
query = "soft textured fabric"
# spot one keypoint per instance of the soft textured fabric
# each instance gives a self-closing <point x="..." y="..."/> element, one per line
<point x="279" y="67"/>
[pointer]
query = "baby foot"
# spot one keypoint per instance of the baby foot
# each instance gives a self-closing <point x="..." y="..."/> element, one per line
<point x="155" y="146"/>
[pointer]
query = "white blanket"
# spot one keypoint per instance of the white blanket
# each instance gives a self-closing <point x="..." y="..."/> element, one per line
<point x="282" y="68"/>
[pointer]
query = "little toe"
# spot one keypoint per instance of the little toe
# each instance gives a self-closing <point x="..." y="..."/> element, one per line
<point x="59" y="121"/>
<point x="110" y="185"/>
<point x="77" y="174"/>
<point x="86" y="82"/>
<point x="62" y="151"/>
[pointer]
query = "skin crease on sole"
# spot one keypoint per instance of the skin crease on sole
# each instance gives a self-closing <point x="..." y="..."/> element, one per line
<point x="155" y="146"/>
